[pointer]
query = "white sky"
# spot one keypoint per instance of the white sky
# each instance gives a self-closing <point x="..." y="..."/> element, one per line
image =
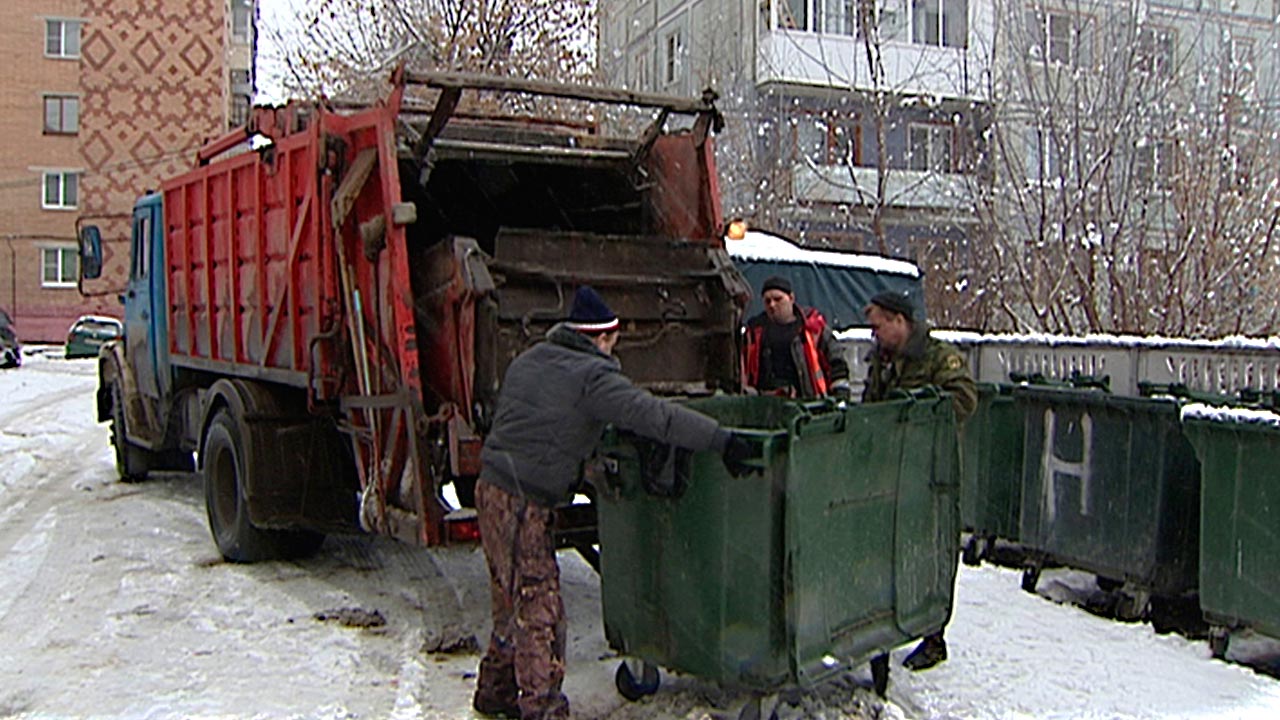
<point x="274" y="17"/>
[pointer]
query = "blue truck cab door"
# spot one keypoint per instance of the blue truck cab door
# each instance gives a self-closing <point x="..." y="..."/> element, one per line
<point x="140" y="312"/>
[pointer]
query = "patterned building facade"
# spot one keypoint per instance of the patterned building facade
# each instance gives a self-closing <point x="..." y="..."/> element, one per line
<point x="109" y="98"/>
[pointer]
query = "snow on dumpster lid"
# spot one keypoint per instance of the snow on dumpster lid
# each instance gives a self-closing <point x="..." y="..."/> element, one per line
<point x="767" y="247"/>
<point x="1217" y="413"/>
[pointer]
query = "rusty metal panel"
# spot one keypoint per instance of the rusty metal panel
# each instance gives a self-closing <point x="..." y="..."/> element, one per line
<point x="684" y="199"/>
<point x="680" y="304"/>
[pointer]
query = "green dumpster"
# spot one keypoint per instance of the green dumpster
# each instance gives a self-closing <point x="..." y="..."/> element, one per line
<point x="841" y="549"/>
<point x="1239" y="452"/>
<point x="991" y="481"/>
<point x="1111" y="486"/>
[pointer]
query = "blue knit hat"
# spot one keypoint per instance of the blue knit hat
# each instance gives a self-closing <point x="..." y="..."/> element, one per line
<point x="590" y="314"/>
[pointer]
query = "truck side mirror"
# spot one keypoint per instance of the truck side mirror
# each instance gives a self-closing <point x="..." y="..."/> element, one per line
<point x="90" y="252"/>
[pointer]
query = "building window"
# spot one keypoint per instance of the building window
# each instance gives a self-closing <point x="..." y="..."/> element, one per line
<point x="940" y="22"/>
<point x="640" y="71"/>
<point x="1043" y="158"/>
<point x="1060" y="38"/>
<point x="241" y="19"/>
<point x="929" y="147"/>
<point x="793" y="14"/>
<point x="1240" y="60"/>
<point x="1155" y="51"/>
<point x="240" y="105"/>
<point x="672" y="57"/>
<point x="1153" y="165"/>
<point x="59" y="266"/>
<point x="838" y="17"/>
<point x="827" y="140"/>
<point x="834" y="17"/>
<point x="61" y="114"/>
<point x="62" y="38"/>
<point x="61" y="190"/>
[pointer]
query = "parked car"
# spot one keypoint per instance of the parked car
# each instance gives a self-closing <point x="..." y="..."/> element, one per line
<point x="89" y="332"/>
<point x="10" y="349"/>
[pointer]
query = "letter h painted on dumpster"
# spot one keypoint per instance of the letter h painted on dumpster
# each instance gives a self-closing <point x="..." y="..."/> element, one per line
<point x="1054" y="469"/>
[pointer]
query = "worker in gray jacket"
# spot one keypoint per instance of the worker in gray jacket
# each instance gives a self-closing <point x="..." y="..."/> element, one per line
<point x="554" y="404"/>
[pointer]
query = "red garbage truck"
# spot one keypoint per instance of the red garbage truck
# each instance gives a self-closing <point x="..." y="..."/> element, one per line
<point x="322" y="318"/>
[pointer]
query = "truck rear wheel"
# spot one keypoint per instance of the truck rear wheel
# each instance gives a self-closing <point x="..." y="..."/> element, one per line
<point x="225" y="463"/>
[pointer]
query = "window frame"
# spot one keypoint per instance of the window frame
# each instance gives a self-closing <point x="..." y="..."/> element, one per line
<point x="62" y="23"/>
<point x="62" y="99"/>
<point x="63" y="253"/>
<point x="1043" y="162"/>
<point x="929" y="165"/>
<point x="848" y="16"/>
<point x="1080" y="29"/>
<point x="240" y="110"/>
<point x="789" y="21"/>
<point x="61" y="202"/>
<point x="673" y="51"/>
<point x="1242" y="65"/>
<point x="1156" y="164"/>
<point x="940" y="34"/>
<point x="1157" y="50"/>
<point x="241" y="34"/>
<point x="640" y="75"/>
<point x="833" y="145"/>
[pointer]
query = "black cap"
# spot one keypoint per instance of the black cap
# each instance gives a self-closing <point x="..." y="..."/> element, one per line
<point x="590" y="314"/>
<point x="896" y="301"/>
<point x="777" y="282"/>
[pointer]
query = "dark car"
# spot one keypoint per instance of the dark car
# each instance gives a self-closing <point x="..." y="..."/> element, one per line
<point x="89" y="333"/>
<point x="10" y="349"/>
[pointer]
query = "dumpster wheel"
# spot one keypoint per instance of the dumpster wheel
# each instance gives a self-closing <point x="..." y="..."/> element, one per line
<point x="1030" y="578"/>
<point x="631" y="688"/>
<point x="880" y="674"/>
<point x="760" y="707"/>
<point x="1219" y="641"/>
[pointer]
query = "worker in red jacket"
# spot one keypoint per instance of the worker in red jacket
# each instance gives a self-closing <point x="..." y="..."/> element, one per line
<point x="789" y="350"/>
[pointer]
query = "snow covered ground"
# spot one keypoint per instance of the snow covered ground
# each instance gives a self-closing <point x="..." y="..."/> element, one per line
<point x="114" y="604"/>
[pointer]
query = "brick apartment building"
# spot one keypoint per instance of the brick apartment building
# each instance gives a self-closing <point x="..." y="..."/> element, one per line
<point x="100" y="100"/>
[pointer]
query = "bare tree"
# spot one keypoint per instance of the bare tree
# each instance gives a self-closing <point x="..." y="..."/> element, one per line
<point x="342" y="48"/>
<point x="1135" y="159"/>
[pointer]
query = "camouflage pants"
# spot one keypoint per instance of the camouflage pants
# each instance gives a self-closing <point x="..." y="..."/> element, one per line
<point x="524" y="664"/>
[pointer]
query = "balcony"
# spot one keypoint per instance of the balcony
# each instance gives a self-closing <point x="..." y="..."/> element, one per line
<point x="938" y="48"/>
<point x="904" y="188"/>
<point x="839" y="61"/>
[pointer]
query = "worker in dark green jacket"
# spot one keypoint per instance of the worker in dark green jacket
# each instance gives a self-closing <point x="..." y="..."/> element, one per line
<point x="906" y="356"/>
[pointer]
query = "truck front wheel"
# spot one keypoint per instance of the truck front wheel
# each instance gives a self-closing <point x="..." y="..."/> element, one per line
<point x="132" y="462"/>
<point x="225" y="464"/>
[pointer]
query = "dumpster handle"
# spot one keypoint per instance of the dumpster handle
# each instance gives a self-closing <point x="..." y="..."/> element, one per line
<point x="835" y="419"/>
<point x="756" y="462"/>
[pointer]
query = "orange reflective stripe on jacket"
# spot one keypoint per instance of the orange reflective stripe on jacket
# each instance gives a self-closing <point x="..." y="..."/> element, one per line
<point x="814" y="361"/>
<point x="751" y="356"/>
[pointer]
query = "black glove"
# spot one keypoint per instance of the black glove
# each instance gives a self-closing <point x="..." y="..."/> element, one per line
<point x="737" y="451"/>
